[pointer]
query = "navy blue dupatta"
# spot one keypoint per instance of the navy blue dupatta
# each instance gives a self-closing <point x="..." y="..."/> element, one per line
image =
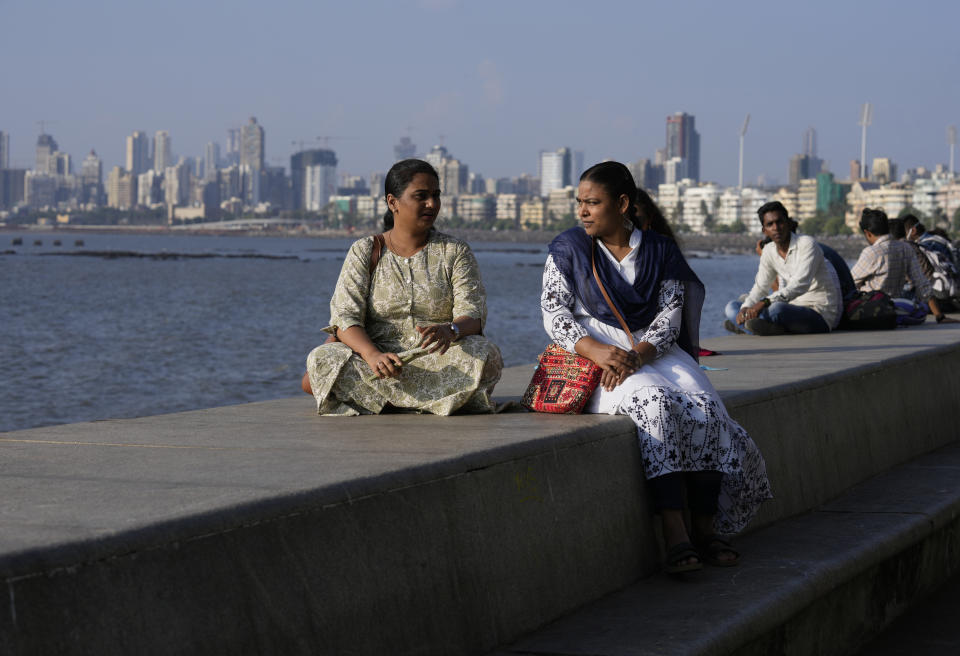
<point x="658" y="259"/>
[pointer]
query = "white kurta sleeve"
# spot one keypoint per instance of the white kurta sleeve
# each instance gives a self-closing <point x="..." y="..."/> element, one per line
<point x="556" y="303"/>
<point x="664" y="330"/>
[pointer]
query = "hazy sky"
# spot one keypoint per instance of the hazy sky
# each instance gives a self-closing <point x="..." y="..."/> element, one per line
<point x="500" y="79"/>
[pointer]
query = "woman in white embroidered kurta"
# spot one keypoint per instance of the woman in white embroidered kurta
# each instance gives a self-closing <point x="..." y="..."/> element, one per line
<point x="682" y="424"/>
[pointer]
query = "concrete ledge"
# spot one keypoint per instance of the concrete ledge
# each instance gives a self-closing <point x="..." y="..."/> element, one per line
<point x="821" y="583"/>
<point x="263" y="528"/>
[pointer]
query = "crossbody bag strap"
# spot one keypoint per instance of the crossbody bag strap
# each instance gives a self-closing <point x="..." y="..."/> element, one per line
<point x="606" y="297"/>
<point x="378" y="243"/>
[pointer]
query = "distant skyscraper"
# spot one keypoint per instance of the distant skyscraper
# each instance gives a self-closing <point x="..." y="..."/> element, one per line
<point x="405" y="149"/>
<point x="556" y="170"/>
<point x="683" y="141"/>
<point x="436" y="155"/>
<point x="211" y="160"/>
<point x="46" y="146"/>
<point x="252" y="145"/>
<point x="4" y="150"/>
<point x="454" y="176"/>
<point x="810" y="142"/>
<point x="162" y="157"/>
<point x="807" y="165"/>
<point x="138" y="152"/>
<point x="176" y="184"/>
<point x="232" y="155"/>
<point x="91" y="180"/>
<point x="323" y="178"/>
<point x="121" y="189"/>
<point x="883" y="170"/>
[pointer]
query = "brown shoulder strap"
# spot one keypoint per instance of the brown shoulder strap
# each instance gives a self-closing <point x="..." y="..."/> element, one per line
<point x="606" y="297"/>
<point x="377" y="250"/>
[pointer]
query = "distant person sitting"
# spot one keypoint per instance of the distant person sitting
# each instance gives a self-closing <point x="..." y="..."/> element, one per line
<point x="937" y="259"/>
<point x="917" y="233"/>
<point x="886" y="264"/>
<point x="808" y="297"/>
<point x="898" y="233"/>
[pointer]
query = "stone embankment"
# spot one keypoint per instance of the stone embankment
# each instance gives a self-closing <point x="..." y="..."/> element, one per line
<point x="263" y="528"/>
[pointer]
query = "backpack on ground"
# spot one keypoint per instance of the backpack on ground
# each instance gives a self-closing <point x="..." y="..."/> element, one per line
<point x="869" y="311"/>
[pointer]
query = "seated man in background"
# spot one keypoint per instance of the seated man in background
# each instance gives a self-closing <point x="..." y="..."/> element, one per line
<point x="937" y="260"/>
<point x="808" y="298"/>
<point x="917" y="233"/>
<point x="886" y="264"/>
<point x="897" y="233"/>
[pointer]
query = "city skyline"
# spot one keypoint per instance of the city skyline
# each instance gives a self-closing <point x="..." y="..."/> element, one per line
<point x="512" y="80"/>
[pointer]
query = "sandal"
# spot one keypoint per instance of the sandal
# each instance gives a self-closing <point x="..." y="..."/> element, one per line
<point x="677" y="554"/>
<point x="712" y="546"/>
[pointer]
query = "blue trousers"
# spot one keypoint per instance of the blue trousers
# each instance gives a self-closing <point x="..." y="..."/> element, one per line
<point x="793" y="318"/>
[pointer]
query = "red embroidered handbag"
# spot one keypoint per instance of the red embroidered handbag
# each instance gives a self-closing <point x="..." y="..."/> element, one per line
<point x="564" y="381"/>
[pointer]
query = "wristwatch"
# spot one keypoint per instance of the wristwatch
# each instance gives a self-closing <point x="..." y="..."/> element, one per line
<point x="766" y="302"/>
<point x="456" y="331"/>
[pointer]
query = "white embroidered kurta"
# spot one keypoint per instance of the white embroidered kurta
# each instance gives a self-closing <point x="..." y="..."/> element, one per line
<point x="682" y="424"/>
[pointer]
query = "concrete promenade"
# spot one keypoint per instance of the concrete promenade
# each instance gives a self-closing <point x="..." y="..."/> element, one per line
<point x="262" y="528"/>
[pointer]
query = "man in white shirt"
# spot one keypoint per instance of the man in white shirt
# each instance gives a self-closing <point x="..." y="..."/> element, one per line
<point x="808" y="299"/>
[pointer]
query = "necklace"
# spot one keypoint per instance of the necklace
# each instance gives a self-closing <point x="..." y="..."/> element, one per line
<point x="395" y="251"/>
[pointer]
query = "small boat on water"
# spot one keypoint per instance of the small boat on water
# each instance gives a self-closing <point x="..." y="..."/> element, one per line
<point x="56" y="242"/>
<point x="38" y="242"/>
<point x="17" y="241"/>
<point x="78" y="242"/>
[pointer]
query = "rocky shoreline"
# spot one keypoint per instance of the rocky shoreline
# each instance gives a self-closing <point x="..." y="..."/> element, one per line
<point x="849" y="246"/>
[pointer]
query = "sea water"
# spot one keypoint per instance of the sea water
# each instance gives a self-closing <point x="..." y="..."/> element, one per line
<point x="129" y="325"/>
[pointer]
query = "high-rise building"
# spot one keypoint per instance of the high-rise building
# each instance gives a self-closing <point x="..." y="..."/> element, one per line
<point x="252" y="145"/>
<point x="46" y="146"/>
<point x="803" y="167"/>
<point x="232" y="155"/>
<point x="12" y="187"/>
<point x="404" y="150"/>
<point x="60" y="164"/>
<point x="4" y="150"/>
<point x="40" y="190"/>
<point x="319" y="184"/>
<point x="121" y="189"/>
<point x="176" y="184"/>
<point x="454" y="176"/>
<point x="323" y="179"/>
<point x="162" y="157"/>
<point x="883" y="170"/>
<point x="683" y="141"/>
<point x="138" y="152"/>
<point x="91" y="180"/>
<point x="211" y="160"/>
<point x="436" y="155"/>
<point x="556" y="170"/>
<point x="807" y="165"/>
<point x="810" y="142"/>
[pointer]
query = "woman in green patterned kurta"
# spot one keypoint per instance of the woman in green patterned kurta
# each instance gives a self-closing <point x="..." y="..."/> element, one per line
<point x="410" y="334"/>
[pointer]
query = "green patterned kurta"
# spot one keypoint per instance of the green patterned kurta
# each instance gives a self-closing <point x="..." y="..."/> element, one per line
<point x="436" y="285"/>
